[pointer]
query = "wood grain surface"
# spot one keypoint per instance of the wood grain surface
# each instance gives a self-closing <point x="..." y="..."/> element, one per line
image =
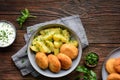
<point x="100" y="18"/>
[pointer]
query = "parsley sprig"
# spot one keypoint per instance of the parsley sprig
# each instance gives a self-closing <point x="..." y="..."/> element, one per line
<point x="25" y="14"/>
<point x="88" y="74"/>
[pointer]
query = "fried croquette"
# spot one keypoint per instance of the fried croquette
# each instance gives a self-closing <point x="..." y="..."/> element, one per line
<point x="54" y="63"/>
<point x="113" y="76"/>
<point x="65" y="61"/>
<point x="117" y="65"/>
<point x="109" y="65"/>
<point x="41" y="60"/>
<point x="69" y="50"/>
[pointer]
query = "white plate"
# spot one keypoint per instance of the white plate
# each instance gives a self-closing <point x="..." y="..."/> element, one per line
<point x="47" y="72"/>
<point x="114" y="54"/>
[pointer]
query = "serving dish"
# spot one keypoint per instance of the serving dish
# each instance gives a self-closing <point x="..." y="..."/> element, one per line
<point x="47" y="72"/>
<point x="7" y="33"/>
<point x="114" y="54"/>
<point x="91" y="59"/>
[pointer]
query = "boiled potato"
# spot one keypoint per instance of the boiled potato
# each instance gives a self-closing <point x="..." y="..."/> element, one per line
<point x="59" y="37"/>
<point x="48" y="36"/>
<point x="34" y="48"/>
<point x="73" y="42"/>
<point x="42" y="47"/>
<point x="57" y="44"/>
<point x="50" y="45"/>
<point x="66" y="34"/>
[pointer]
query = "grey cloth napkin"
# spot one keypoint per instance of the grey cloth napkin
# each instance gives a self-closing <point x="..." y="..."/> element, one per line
<point x="21" y="59"/>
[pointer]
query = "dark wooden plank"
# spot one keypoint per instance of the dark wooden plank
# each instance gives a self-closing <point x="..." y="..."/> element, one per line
<point x="98" y="30"/>
<point x="101" y="19"/>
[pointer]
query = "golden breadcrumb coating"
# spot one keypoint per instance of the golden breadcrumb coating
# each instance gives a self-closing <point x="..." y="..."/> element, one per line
<point x="109" y="65"/>
<point x="65" y="61"/>
<point x="117" y="65"/>
<point x="69" y="50"/>
<point x="54" y="63"/>
<point x="41" y="60"/>
<point x="113" y="76"/>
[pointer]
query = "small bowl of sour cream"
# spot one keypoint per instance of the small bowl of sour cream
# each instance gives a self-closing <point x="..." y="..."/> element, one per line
<point x="7" y="33"/>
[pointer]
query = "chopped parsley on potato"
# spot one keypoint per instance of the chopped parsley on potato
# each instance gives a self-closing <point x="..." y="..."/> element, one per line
<point x="50" y="40"/>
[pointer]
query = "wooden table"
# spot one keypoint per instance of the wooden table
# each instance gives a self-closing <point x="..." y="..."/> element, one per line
<point x="100" y="18"/>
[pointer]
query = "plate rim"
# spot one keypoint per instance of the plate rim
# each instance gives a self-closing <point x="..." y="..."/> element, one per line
<point x="79" y="55"/>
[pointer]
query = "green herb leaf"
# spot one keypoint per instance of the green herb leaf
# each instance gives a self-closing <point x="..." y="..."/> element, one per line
<point x="91" y="58"/>
<point x="25" y="14"/>
<point x="82" y="69"/>
<point x="92" y="75"/>
<point x="88" y="74"/>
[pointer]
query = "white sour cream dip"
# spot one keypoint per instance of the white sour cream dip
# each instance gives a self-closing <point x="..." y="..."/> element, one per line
<point x="7" y="34"/>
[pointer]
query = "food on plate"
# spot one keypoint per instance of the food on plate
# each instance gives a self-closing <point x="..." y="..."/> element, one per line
<point x="55" y="49"/>
<point x="50" y="40"/>
<point x="41" y="60"/>
<point x="117" y="65"/>
<point x="113" y="68"/>
<point x="91" y="59"/>
<point x="54" y="63"/>
<point x="110" y="65"/>
<point x="69" y="50"/>
<point x="113" y="76"/>
<point x="65" y="61"/>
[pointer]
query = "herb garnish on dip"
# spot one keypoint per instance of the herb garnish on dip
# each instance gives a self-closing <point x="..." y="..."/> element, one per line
<point x="7" y="33"/>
